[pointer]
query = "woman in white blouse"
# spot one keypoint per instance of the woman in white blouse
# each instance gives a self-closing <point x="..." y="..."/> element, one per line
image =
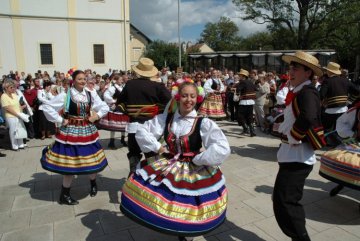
<point x="76" y="150"/>
<point x="174" y="188"/>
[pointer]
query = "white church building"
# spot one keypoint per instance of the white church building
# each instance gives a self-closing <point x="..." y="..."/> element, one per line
<point x="62" y="34"/>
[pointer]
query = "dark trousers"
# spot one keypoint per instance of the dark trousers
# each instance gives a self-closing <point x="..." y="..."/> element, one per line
<point x="329" y="124"/>
<point x="134" y="154"/>
<point x="30" y="128"/>
<point x="231" y="106"/>
<point x="288" y="191"/>
<point x="329" y="121"/>
<point x="245" y="115"/>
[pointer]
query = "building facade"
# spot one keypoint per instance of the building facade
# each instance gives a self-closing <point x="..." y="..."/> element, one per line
<point x="62" y="34"/>
<point x="138" y="43"/>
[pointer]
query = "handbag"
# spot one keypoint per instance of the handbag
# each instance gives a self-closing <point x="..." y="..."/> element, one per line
<point x="20" y="131"/>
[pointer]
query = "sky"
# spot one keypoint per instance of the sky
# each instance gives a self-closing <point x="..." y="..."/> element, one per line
<point x="158" y="19"/>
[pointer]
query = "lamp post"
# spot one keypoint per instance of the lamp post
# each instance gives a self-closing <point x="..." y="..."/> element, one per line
<point x="179" y="33"/>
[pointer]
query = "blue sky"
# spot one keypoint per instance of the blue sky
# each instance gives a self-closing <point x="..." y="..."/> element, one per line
<point x="158" y="19"/>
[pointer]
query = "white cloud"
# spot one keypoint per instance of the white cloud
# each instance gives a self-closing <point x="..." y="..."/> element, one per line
<point x="159" y="19"/>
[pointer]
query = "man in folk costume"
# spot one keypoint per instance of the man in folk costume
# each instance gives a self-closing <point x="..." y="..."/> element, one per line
<point x="115" y="120"/>
<point x="247" y="91"/>
<point x="212" y="106"/>
<point x="302" y="133"/>
<point x="142" y="99"/>
<point x="334" y="95"/>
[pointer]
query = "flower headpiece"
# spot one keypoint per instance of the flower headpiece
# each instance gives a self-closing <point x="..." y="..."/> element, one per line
<point x="176" y="95"/>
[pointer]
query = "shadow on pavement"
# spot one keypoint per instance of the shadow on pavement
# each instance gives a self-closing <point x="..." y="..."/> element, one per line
<point x="319" y="206"/>
<point x="80" y="187"/>
<point x="255" y="151"/>
<point x="112" y="225"/>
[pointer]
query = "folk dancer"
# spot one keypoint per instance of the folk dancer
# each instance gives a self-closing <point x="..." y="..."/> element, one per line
<point x="302" y="133"/>
<point x="115" y="120"/>
<point x="247" y="90"/>
<point x="76" y="150"/>
<point x="180" y="189"/>
<point x="142" y="99"/>
<point x="212" y="105"/>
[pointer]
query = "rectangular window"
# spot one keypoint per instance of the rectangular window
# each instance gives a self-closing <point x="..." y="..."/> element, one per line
<point x="99" y="56"/>
<point x="46" y="54"/>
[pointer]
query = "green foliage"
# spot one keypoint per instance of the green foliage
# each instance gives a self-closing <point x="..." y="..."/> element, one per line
<point x="160" y="52"/>
<point x="309" y="24"/>
<point x="221" y="36"/>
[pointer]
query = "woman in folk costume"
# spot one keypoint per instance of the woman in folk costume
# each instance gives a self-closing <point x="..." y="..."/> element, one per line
<point x="115" y="120"/>
<point x="200" y="91"/>
<point x="76" y="150"/>
<point x="180" y="191"/>
<point x="212" y="106"/>
<point x="342" y="164"/>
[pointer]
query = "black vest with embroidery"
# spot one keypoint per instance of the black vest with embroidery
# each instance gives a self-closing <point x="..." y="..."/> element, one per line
<point x="214" y="85"/>
<point x="190" y="143"/>
<point x="80" y="109"/>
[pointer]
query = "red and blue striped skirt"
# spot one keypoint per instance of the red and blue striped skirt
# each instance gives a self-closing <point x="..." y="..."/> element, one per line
<point x="342" y="165"/>
<point x="76" y="151"/>
<point x="113" y="121"/>
<point x="175" y="198"/>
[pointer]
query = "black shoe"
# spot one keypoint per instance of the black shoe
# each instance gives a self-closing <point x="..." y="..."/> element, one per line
<point x="93" y="190"/>
<point x="252" y="134"/>
<point x="182" y="238"/>
<point x="2" y="155"/>
<point x="123" y="142"/>
<point x="68" y="200"/>
<point x="245" y="131"/>
<point x="111" y="145"/>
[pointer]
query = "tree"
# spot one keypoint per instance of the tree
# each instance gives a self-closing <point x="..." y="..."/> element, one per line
<point x="163" y="53"/>
<point x="257" y="41"/>
<point x="302" y="18"/>
<point x="221" y="36"/>
<point x="310" y="24"/>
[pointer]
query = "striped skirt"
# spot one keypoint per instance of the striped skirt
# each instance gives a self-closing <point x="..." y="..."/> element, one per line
<point x="342" y="165"/>
<point x="76" y="151"/>
<point x="212" y="107"/>
<point x="175" y="198"/>
<point x="113" y="121"/>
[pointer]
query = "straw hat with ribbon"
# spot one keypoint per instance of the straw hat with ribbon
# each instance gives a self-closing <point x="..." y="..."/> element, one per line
<point x="305" y="59"/>
<point x="244" y="72"/>
<point x="145" y="68"/>
<point x="333" y="68"/>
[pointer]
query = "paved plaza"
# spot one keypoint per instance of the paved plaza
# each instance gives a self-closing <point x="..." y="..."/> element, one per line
<point x="29" y="194"/>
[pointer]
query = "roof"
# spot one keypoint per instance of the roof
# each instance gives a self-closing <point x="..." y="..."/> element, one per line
<point x="259" y="53"/>
<point x="135" y="29"/>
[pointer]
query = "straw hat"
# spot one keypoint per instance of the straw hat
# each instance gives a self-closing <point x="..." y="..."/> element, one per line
<point x="244" y="72"/>
<point x="305" y="59"/>
<point x="145" y="68"/>
<point x="333" y="68"/>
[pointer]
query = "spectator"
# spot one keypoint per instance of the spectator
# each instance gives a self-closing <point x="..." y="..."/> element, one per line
<point x="13" y="113"/>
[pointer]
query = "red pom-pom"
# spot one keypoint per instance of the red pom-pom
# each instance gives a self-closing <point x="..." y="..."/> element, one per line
<point x="177" y="97"/>
<point x="199" y="99"/>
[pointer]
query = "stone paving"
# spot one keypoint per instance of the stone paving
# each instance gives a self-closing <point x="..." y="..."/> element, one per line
<point x="29" y="210"/>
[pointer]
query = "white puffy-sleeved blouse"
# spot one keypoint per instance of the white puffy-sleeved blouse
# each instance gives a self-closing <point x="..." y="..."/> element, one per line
<point x="208" y="84"/>
<point x="52" y="108"/>
<point x="345" y="123"/>
<point x="109" y="93"/>
<point x="216" y="145"/>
